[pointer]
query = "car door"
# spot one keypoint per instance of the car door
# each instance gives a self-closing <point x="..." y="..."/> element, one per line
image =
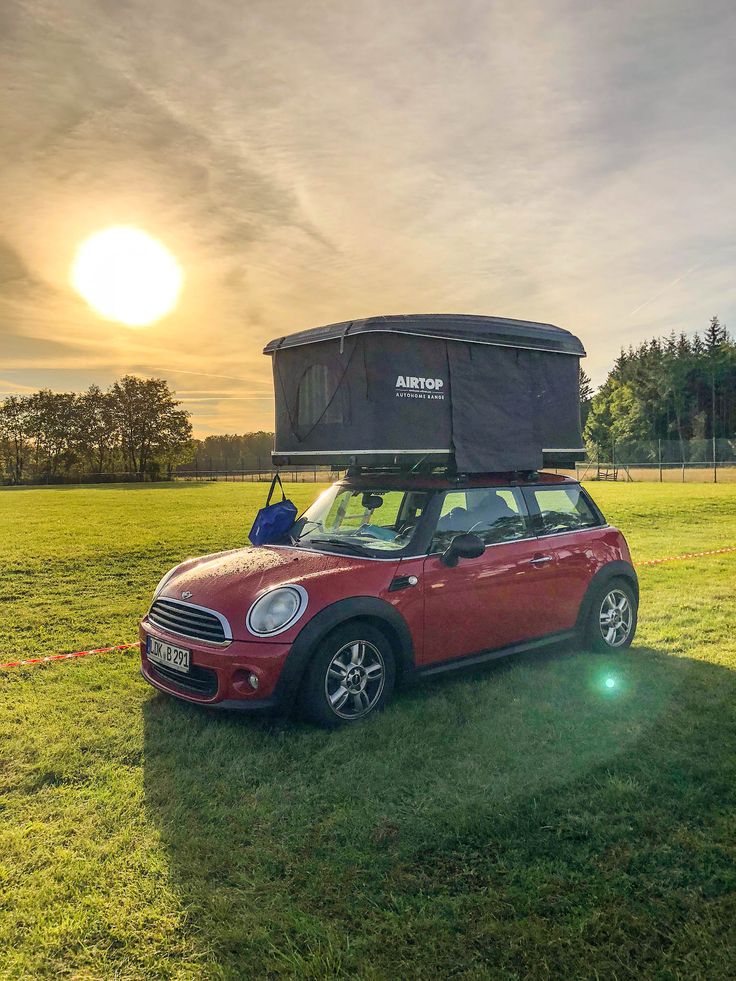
<point x="498" y="599"/>
<point x="567" y="526"/>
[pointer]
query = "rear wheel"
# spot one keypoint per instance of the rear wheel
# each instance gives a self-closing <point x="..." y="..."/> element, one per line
<point x="351" y="676"/>
<point x="612" y="618"/>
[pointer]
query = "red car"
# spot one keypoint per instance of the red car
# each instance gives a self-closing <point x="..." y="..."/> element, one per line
<point x="386" y="577"/>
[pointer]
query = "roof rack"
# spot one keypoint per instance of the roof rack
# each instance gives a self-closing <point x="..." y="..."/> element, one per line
<point x="440" y="463"/>
<point x="514" y="476"/>
<point x="427" y="468"/>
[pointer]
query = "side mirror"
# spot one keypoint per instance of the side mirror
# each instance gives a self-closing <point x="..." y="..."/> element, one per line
<point x="467" y="546"/>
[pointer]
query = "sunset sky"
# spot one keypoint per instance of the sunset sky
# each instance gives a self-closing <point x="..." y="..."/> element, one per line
<point x="313" y="162"/>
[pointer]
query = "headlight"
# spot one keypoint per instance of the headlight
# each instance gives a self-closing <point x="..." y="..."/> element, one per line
<point x="276" y="611"/>
<point x="164" y="580"/>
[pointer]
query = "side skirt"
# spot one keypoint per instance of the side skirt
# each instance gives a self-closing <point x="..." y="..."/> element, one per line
<point x="470" y="660"/>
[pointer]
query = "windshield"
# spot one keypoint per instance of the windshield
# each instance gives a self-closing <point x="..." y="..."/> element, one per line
<point x="361" y="521"/>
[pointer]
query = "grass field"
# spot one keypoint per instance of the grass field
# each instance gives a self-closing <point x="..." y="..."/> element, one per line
<point x="522" y="821"/>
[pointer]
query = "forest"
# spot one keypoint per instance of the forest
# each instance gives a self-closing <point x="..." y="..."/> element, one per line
<point x="674" y="396"/>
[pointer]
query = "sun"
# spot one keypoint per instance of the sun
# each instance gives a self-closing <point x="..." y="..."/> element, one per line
<point x="126" y="275"/>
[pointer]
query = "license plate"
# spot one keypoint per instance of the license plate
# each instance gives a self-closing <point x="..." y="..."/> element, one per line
<point x="171" y="657"/>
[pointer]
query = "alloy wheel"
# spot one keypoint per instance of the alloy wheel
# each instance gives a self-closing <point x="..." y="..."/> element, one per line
<point x="355" y="679"/>
<point x="616" y="618"/>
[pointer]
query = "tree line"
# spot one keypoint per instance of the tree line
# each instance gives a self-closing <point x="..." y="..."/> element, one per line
<point x="251" y="451"/>
<point x="673" y="388"/>
<point x="136" y="426"/>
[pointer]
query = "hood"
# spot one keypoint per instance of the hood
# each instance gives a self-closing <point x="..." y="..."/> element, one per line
<point x="229" y="582"/>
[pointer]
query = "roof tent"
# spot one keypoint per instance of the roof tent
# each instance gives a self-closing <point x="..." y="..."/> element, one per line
<point x="481" y="394"/>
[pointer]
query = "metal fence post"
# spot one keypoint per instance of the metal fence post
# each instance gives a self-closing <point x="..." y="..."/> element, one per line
<point x="659" y="457"/>
<point x="715" y="467"/>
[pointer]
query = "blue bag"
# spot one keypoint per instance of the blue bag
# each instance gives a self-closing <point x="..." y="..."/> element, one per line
<point x="273" y="521"/>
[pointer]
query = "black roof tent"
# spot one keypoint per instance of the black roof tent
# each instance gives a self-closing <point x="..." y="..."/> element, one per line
<point x="498" y="331"/>
<point x="480" y="394"/>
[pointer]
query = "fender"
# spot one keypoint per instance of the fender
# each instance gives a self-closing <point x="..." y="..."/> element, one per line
<point x="326" y="620"/>
<point x="611" y="570"/>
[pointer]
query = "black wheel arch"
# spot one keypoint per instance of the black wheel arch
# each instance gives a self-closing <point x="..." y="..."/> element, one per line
<point x="369" y="609"/>
<point x="611" y="570"/>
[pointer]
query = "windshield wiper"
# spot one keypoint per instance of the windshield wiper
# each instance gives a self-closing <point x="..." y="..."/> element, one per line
<point x="301" y="536"/>
<point x="341" y="542"/>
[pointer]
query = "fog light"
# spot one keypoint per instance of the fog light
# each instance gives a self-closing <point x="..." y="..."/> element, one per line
<point x="253" y="681"/>
<point x="610" y="682"/>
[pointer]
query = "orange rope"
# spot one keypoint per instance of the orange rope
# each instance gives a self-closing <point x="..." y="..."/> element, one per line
<point x="688" y="555"/>
<point x="125" y="647"/>
<point x="66" y="657"/>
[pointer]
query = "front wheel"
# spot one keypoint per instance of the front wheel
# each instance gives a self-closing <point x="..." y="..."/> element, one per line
<point x="351" y="676"/>
<point x="612" y="619"/>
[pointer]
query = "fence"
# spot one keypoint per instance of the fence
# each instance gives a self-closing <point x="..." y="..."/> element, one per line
<point x="308" y="475"/>
<point x="694" y="460"/>
<point x="298" y="475"/>
<point x="663" y="460"/>
<point x="74" y="477"/>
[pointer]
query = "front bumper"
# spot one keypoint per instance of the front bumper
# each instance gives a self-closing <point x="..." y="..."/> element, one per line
<point x="219" y="675"/>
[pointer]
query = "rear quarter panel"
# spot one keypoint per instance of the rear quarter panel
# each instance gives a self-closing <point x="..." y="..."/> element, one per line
<point x="579" y="556"/>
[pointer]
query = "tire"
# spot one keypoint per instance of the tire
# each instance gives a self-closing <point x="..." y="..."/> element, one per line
<point x="326" y="697"/>
<point x="612" y="617"/>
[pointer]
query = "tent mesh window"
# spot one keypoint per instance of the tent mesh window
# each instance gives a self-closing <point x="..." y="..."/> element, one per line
<point x="317" y="400"/>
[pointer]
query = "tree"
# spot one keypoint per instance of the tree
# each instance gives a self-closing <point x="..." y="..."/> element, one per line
<point x="685" y="388"/>
<point x="684" y="348"/>
<point x="586" y="396"/>
<point x="176" y="455"/>
<point x="716" y="339"/>
<point x="251" y="451"/>
<point x="714" y="336"/>
<point x="52" y="416"/>
<point x="620" y="363"/>
<point x="148" y="420"/>
<point x="616" y="416"/>
<point x="95" y="433"/>
<point x="15" y="433"/>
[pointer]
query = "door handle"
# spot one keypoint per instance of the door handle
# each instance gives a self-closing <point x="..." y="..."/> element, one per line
<point x="540" y="559"/>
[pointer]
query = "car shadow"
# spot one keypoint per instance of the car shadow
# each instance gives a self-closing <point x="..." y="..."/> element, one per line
<point x="284" y="839"/>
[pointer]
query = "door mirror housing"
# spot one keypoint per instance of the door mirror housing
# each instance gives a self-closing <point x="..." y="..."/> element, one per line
<point x="467" y="546"/>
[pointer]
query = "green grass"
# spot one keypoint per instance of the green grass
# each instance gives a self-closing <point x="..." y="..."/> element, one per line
<point x="523" y="821"/>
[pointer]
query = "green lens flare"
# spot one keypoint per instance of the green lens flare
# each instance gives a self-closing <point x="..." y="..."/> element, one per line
<point x="610" y="682"/>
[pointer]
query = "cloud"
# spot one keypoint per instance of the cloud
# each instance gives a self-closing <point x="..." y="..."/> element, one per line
<point x="310" y="163"/>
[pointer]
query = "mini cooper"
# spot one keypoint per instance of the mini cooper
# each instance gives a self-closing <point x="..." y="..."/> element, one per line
<point x="388" y="577"/>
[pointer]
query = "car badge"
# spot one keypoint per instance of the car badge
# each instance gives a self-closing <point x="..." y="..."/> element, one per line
<point x="186" y="594"/>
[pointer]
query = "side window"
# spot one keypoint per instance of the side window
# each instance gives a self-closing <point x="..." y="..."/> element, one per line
<point x="316" y="388"/>
<point x="452" y="500"/>
<point x="563" y="509"/>
<point x="494" y="514"/>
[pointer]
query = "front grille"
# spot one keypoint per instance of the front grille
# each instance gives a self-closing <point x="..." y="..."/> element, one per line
<point x="188" y="621"/>
<point x="199" y="681"/>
